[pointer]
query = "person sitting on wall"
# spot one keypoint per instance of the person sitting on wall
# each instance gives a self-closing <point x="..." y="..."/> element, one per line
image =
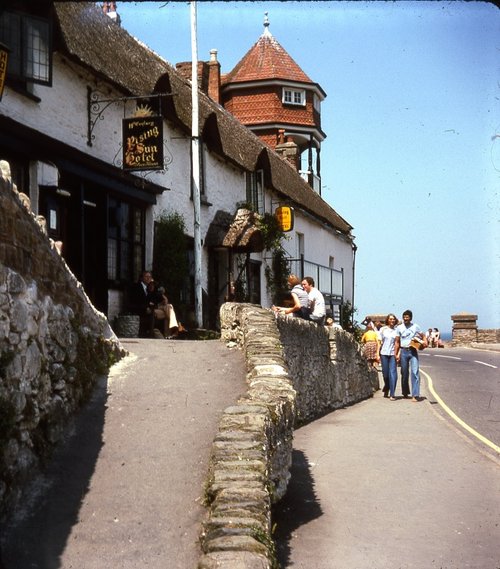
<point x="317" y="305"/>
<point x="435" y="338"/>
<point x="300" y="298"/>
<point x="151" y="304"/>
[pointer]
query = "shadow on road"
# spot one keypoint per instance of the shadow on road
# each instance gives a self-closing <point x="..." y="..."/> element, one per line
<point x="37" y="534"/>
<point x="299" y="506"/>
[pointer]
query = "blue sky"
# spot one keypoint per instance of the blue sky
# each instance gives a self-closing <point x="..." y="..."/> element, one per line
<point x="412" y="117"/>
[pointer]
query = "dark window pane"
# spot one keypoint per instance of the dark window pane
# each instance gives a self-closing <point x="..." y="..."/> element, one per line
<point x="112" y="259"/>
<point x="10" y="35"/>
<point x="138" y="260"/>
<point x="124" y="264"/>
<point x="124" y="221"/>
<point x="137" y="225"/>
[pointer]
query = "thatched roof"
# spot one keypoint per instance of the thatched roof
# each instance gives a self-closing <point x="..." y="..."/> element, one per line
<point x="244" y="234"/>
<point x="96" y="42"/>
<point x="218" y="228"/>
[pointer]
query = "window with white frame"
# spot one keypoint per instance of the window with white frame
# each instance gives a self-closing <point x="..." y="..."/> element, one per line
<point x="294" y="96"/>
<point x="300" y="244"/>
<point x="29" y="41"/>
<point x="255" y="190"/>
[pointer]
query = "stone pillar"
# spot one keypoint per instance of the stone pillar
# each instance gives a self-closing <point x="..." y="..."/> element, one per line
<point x="464" y="330"/>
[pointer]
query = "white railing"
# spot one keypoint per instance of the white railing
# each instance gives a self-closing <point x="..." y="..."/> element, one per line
<point x="313" y="180"/>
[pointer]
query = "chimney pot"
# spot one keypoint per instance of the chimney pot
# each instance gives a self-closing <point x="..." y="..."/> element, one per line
<point x="214" y="77"/>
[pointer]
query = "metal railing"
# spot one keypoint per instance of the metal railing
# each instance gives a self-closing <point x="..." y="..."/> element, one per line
<point x="330" y="282"/>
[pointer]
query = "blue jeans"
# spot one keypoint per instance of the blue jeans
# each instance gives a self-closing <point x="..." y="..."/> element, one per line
<point x="409" y="364"/>
<point x="389" y="373"/>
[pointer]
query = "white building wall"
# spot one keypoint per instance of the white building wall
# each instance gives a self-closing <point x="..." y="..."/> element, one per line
<point x="224" y="188"/>
<point x="62" y="110"/>
<point x="62" y="115"/>
<point x="321" y="243"/>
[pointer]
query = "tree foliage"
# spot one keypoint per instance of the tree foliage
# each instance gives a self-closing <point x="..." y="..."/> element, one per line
<point x="278" y="271"/>
<point x="170" y="261"/>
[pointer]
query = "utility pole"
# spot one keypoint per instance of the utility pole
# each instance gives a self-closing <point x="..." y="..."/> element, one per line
<point x="195" y="157"/>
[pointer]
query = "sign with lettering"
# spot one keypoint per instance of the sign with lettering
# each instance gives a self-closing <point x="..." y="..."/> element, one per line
<point x="285" y="217"/>
<point x="143" y="143"/>
<point x="4" y="60"/>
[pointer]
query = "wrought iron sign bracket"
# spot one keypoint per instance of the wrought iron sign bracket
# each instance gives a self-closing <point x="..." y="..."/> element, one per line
<point x="96" y="107"/>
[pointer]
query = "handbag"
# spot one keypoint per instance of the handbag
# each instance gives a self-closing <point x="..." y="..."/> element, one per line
<point x="417" y="344"/>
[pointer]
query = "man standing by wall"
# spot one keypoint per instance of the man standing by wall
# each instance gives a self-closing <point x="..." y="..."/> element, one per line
<point x="408" y="355"/>
<point x="316" y="301"/>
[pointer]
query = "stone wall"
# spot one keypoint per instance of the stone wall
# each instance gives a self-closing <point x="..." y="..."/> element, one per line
<point x="53" y="344"/>
<point x="296" y="371"/>
<point x="327" y="367"/>
<point x="465" y="331"/>
<point x="488" y="336"/>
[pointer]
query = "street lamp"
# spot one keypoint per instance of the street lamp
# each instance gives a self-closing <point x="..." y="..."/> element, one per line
<point x="4" y="60"/>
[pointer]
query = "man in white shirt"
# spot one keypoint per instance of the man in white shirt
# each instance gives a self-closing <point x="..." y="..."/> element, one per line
<point x="316" y="301"/>
<point x="408" y="355"/>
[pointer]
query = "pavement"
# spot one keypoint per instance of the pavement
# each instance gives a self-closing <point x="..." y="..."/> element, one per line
<point x="126" y="489"/>
<point x="390" y="485"/>
<point x="379" y="485"/>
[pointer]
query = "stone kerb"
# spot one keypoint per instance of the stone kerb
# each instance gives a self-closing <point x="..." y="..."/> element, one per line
<point x="53" y="345"/>
<point x="251" y="455"/>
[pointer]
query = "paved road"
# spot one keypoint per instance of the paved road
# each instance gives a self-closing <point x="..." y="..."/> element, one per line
<point x="389" y="485"/>
<point x="126" y="490"/>
<point x="468" y="382"/>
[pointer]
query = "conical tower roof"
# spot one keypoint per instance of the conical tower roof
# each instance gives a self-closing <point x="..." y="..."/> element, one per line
<point x="265" y="60"/>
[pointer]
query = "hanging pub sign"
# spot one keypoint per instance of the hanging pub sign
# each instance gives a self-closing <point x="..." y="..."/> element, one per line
<point x="285" y="217"/>
<point x="143" y="143"/>
<point x="4" y="60"/>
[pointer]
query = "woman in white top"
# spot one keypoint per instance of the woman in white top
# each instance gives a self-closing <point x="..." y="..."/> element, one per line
<point x="387" y="356"/>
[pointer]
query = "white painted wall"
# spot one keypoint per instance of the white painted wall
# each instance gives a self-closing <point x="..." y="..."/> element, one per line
<point x="62" y="115"/>
<point x="320" y="243"/>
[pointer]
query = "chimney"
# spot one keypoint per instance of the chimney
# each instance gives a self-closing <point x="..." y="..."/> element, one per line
<point x="185" y="69"/>
<point x="109" y="8"/>
<point x="214" y="77"/>
<point x="288" y="150"/>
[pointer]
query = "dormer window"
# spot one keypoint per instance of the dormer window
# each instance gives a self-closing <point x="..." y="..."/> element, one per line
<point x="294" y="97"/>
<point x="28" y="38"/>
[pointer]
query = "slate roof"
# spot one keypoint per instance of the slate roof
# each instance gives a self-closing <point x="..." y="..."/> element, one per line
<point x="96" y="42"/>
<point x="265" y="60"/>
